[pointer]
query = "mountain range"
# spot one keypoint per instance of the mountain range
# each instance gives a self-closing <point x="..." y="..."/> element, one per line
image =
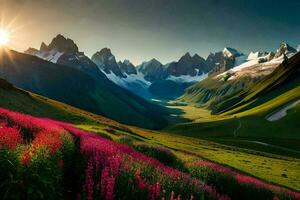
<point x="192" y="79"/>
<point x="74" y="79"/>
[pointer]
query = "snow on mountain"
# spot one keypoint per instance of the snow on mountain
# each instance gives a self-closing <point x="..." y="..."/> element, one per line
<point x="134" y="83"/>
<point x="255" y="66"/>
<point x="52" y="55"/>
<point x="231" y="52"/>
<point x="254" y="55"/>
<point x="106" y="62"/>
<point x="64" y="51"/>
<point x="259" y="64"/>
<point x="187" y="78"/>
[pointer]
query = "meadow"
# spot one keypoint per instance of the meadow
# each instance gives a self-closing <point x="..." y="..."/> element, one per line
<point x="53" y="160"/>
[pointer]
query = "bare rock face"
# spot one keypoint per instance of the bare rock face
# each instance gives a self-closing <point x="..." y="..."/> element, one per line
<point x="188" y="65"/>
<point x="285" y="49"/>
<point x="153" y="70"/>
<point x="61" y="44"/>
<point x="106" y="61"/>
<point x="127" y="67"/>
<point x="223" y="60"/>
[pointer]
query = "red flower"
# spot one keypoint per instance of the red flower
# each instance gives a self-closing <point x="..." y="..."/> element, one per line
<point x="25" y="159"/>
<point x="9" y="137"/>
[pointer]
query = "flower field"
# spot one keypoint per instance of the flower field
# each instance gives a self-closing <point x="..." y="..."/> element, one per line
<point x="47" y="159"/>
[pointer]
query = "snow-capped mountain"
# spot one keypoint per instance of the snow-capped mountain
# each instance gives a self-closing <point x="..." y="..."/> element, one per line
<point x="123" y="73"/>
<point x="223" y="60"/>
<point x="187" y="70"/>
<point x="285" y="49"/>
<point x="152" y="79"/>
<point x="127" y="67"/>
<point x="64" y="51"/>
<point x="259" y="64"/>
<point x="106" y="62"/>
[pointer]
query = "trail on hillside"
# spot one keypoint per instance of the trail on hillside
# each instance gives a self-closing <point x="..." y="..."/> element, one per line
<point x="274" y="146"/>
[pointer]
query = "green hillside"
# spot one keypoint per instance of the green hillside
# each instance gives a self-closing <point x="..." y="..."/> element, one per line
<point x="185" y="148"/>
<point x="244" y="115"/>
<point x="91" y="92"/>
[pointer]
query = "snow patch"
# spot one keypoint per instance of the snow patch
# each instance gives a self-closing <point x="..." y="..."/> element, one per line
<point x="254" y="56"/>
<point x="124" y="82"/>
<point x="51" y="56"/>
<point x="254" y="66"/>
<point x="187" y="78"/>
<point x="277" y="115"/>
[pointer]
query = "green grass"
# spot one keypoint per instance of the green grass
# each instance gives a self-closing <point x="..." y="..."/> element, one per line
<point x="264" y="165"/>
<point x="281" y="170"/>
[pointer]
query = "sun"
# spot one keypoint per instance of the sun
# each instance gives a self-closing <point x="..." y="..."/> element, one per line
<point x="4" y="37"/>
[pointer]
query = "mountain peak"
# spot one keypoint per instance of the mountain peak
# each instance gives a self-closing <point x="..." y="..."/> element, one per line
<point x="187" y="55"/>
<point x="286" y="49"/>
<point x="231" y="52"/>
<point x="43" y="47"/>
<point x="105" y="51"/>
<point x="62" y="44"/>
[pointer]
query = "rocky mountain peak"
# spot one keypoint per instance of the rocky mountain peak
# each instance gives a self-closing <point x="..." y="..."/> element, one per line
<point x="43" y="47"/>
<point x="62" y="44"/>
<point x="106" y="61"/>
<point x="127" y="67"/>
<point x="229" y="52"/>
<point x="286" y="49"/>
<point x="105" y="52"/>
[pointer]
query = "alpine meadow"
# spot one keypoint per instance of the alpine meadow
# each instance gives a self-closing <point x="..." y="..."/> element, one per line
<point x="157" y="100"/>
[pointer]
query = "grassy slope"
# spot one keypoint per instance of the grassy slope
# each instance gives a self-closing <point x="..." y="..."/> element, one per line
<point x="265" y="166"/>
<point x="244" y="114"/>
<point x="91" y="92"/>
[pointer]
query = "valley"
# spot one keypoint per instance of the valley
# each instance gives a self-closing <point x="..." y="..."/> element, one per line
<point x="224" y="127"/>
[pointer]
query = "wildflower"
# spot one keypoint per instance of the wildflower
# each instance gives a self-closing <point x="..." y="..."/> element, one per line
<point x="89" y="181"/>
<point x="9" y="137"/>
<point x="25" y="158"/>
<point x="172" y="196"/>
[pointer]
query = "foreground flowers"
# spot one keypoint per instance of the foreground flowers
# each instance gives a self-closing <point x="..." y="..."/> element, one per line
<point x="237" y="185"/>
<point x="46" y="159"/>
<point x="32" y="151"/>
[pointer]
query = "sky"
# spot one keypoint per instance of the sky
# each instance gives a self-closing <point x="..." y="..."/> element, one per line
<point x="140" y="30"/>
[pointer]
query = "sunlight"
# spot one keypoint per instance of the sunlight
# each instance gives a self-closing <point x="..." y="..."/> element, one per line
<point x="4" y="37"/>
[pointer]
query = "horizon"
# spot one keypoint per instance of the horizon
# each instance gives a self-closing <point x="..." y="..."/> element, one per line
<point x="201" y="26"/>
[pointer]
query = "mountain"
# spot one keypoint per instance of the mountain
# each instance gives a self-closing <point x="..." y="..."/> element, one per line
<point x="78" y="87"/>
<point x="224" y="60"/>
<point x="285" y="49"/>
<point x="124" y="74"/>
<point x="64" y="51"/>
<point x="220" y="86"/>
<point x="188" y="65"/>
<point x="268" y="110"/>
<point x="127" y="67"/>
<point x="106" y="61"/>
<point x="152" y="70"/>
